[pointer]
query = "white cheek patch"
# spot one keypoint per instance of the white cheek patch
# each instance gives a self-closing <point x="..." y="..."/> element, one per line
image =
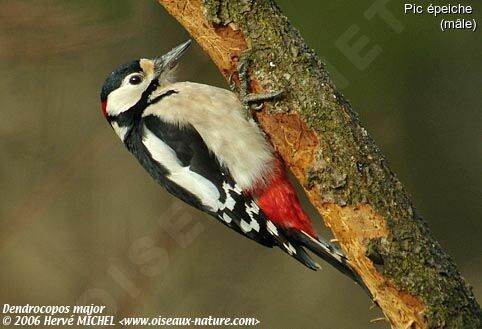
<point x="125" y="97"/>
<point x="196" y="184"/>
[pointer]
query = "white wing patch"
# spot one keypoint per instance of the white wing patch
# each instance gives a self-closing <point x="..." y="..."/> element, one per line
<point x="251" y="210"/>
<point x="196" y="184"/>
<point x="120" y="131"/>
<point x="226" y="218"/>
<point x="271" y="228"/>
<point x="289" y="247"/>
<point x="218" y="115"/>
<point x="247" y="227"/>
<point x="230" y="202"/>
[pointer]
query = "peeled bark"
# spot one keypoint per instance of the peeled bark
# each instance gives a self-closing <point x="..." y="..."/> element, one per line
<point x="343" y="172"/>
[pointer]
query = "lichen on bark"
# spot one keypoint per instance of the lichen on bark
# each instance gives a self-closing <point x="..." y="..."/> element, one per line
<point x="342" y="170"/>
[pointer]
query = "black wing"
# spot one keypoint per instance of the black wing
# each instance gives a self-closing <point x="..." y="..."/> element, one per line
<point x="238" y="210"/>
<point x="189" y="147"/>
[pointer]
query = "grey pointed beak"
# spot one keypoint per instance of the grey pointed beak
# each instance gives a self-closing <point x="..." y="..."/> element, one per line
<point x="170" y="59"/>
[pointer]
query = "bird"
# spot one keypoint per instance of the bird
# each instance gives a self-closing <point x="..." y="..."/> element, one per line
<point x="197" y="142"/>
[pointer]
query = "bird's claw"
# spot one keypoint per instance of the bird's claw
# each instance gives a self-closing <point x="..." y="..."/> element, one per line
<point x="249" y="99"/>
<point x="258" y="99"/>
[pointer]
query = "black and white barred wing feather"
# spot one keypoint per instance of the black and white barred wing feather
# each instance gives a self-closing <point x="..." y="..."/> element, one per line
<point x="194" y="175"/>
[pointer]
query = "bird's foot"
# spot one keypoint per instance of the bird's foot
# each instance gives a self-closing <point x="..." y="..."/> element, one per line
<point x="258" y="99"/>
<point x="251" y="101"/>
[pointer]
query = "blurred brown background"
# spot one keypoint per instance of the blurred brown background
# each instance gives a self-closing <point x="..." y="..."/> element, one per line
<point x="81" y="222"/>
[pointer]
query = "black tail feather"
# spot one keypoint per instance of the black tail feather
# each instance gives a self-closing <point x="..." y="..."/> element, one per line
<point x="328" y="253"/>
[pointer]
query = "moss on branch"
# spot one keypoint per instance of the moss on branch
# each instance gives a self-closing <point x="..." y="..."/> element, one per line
<point x="344" y="174"/>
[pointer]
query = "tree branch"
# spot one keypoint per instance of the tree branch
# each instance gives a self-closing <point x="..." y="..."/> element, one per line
<point x="341" y="169"/>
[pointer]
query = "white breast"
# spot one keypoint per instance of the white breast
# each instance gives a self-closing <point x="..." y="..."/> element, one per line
<point x="219" y="117"/>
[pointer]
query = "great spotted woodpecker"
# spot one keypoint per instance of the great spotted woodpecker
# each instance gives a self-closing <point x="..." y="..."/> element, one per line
<point x="196" y="141"/>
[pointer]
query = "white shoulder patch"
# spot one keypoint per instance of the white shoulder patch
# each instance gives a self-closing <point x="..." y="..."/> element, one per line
<point x="219" y="117"/>
<point x="120" y="131"/>
<point x="196" y="184"/>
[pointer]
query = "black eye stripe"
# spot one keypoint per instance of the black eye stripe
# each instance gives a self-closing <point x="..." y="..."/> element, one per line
<point x="161" y="96"/>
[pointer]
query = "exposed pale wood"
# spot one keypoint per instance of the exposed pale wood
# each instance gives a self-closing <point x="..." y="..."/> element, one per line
<point x="343" y="172"/>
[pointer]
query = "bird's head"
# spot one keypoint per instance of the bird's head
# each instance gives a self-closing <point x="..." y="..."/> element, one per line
<point x="127" y="89"/>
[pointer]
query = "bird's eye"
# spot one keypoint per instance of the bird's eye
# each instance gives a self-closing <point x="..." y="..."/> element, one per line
<point x="135" y="79"/>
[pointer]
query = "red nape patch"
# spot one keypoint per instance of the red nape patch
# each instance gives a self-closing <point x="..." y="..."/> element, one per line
<point x="104" y="108"/>
<point x="279" y="202"/>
